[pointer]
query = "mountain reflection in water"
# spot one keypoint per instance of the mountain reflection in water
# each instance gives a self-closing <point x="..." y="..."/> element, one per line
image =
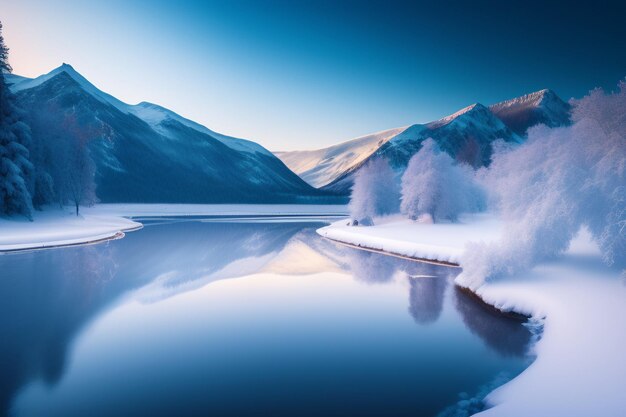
<point x="48" y="299"/>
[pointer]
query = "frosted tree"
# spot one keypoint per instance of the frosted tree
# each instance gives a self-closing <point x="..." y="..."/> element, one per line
<point x="76" y="169"/>
<point x="374" y="192"/>
<point x="15" y="167"/>
<point x="65" y="171"/>
<point x="558" y="181"/>
<point x="435" y="185"/>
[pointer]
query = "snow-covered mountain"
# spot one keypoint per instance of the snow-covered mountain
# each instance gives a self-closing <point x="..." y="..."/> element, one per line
<point x="543" y="107"/>
<point x="322" y="166"/>
<point x="466" y="135"/>
<point x="147" y="153"/>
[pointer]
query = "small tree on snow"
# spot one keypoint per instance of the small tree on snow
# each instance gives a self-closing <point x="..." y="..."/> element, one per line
<point x="434" y="184"/>
<point x="374" y="192"/>
<point x="77" y="170"/>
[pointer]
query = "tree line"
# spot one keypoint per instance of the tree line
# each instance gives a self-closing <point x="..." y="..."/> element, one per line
<point x="52" y="167"/>
<point x="544" y="190"/>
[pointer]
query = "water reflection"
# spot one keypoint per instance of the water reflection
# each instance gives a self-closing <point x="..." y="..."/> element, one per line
<point x="371" y="268"/>
<point x="426" y="298"/>
<point x="48" y="297"/>
<point x="427" y="282"/>
<point x="501" y="333"/>
<point x="44" y="300"/>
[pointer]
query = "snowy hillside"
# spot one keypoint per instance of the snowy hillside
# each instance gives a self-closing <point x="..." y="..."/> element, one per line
<point x="466" y="135"/>
<point x="153" y="114"/>
<point x="146" y="153"/>
<point x="320" y="167"/>
<point x="540" y="107"/>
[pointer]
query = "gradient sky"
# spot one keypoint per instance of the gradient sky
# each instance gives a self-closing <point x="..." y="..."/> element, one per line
<point x="307" y="74"/>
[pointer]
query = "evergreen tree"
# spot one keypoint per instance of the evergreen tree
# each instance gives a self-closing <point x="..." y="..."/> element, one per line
<point x="15" y="167"/>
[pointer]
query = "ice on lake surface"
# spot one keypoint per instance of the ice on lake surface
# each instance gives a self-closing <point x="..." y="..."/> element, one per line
<point x="265" y="318"/>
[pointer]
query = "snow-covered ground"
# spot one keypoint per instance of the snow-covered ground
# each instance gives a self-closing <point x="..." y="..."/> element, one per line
<point x="400" y="236"/>
<point x="54" y="227"/>
<point x="580" y="368"/>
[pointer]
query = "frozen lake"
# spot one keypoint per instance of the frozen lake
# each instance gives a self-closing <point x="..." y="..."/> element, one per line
<point x="227" y="317"/>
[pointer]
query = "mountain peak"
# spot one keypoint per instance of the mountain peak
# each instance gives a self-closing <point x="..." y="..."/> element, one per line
<point x="535" y="99"/>
<point x="67" y="68"/>
<point x="473" y="108"/>
<point x="543" y="106"/>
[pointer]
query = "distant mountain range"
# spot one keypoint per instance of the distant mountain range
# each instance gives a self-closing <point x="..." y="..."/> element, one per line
<point x="466" y="135"/>
<point x="322" y="166"/>
<point x="147" y="153"/>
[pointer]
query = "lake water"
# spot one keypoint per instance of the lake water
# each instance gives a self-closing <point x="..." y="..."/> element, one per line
<point x="241" y="318"/>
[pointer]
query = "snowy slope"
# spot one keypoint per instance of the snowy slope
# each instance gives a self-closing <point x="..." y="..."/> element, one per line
<point x="13" y="79"/>
<point x="153" y="114"/>
<point x="320" y="167"/>
<point x="466" y="135"/>
<point x="539" y="107"/>
<point x="148" y="154"/>
<point x="449" y="119"/>
<point x="157" y="116"/>
<point x="82" y="81"/>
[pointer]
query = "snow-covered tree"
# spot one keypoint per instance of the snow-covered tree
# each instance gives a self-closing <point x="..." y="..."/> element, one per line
<point x="65" y="171"/>
<point x="558" y="181"/>
<point x="76" y="169"/>
<point x="374" y="193"/>
<point x="15" y="167"/>
<point x="434" y="184"/>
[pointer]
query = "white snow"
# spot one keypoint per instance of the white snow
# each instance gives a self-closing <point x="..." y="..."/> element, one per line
<point x="82" y="81"/>
<point x="535" y="99"/>
<point x="445" y="120"/>
<point x="52" y="228"/>
<point x="443" y="242"/>
<point x="55" y="227"/>
<point x="580" y="368"/>
<point x="322" y="166"/>
<point x="152" y="114"/>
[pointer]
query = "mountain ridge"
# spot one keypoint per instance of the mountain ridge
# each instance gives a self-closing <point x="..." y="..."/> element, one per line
<point x="166" y="159"/>
<point x="509" y="118"/>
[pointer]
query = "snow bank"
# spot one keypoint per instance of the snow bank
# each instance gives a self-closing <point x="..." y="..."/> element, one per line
<point x="442" y="242"/>
<point x="55" y="228"/>
<point x="580" y="368"/>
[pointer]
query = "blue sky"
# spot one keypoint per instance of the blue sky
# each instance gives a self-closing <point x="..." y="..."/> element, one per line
<point x="307" y="74"/>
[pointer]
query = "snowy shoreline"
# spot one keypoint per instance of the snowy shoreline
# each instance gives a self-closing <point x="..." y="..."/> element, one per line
<point x="575" y="299"/>
<point x="60" y="228"/>
<point x="395" y="254"/>
<point x="57" y="228"/>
